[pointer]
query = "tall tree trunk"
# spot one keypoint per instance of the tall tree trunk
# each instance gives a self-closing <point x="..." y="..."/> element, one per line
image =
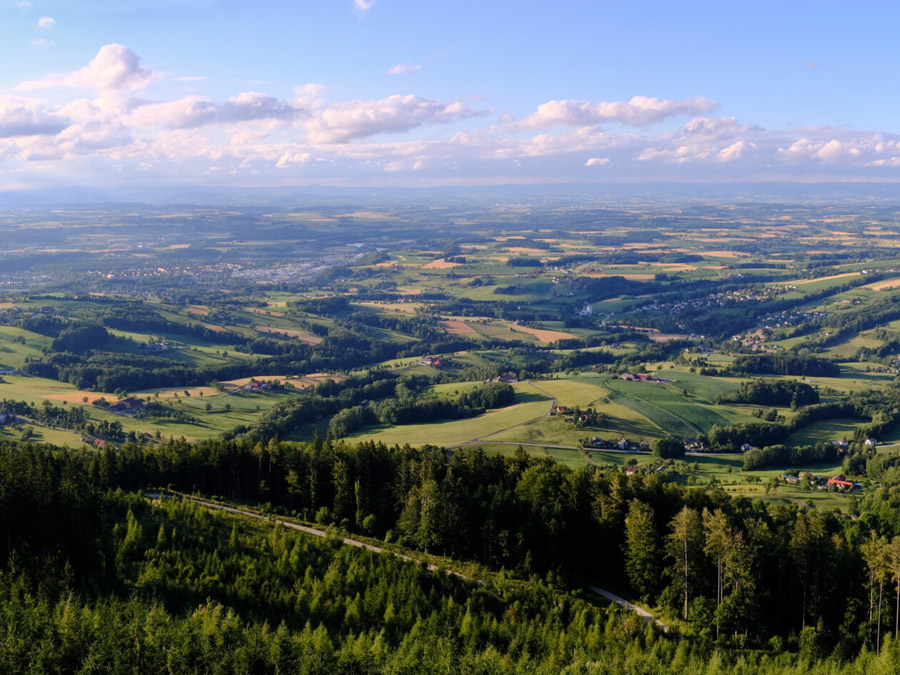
<point x="878" y="630"/>
<point x="685" y="578"/>
<point x="897" y="609"/>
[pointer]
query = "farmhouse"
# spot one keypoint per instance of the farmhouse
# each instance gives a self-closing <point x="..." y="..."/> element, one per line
<point x="14" y="373"/>
<point x="840" y="481"/>
<point x="7" y="419"/>
<point x="643" y="377"/>
<point x="128" y="406"/>
<point x="255" y="386"/>
<point x="156" y="347"/>
<point x="871" y="442"/>
<point x="508" y="379"/>
<point x="433" y="361"/>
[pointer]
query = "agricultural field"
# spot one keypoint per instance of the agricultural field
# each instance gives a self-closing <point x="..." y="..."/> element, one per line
<point x="288" y="318"/>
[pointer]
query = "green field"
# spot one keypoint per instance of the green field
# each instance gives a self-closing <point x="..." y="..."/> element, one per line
<point x="826" y="430"/>
<point x="455" y="431"/>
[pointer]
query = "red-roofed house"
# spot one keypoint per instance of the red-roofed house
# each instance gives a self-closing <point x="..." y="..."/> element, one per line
<point x="840" y="481"/>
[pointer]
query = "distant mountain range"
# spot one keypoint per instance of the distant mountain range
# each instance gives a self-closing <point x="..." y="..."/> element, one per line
<point x="584" y="193"/>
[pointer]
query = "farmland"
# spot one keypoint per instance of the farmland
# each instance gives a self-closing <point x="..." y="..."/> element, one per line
<point x="564" y="309"/>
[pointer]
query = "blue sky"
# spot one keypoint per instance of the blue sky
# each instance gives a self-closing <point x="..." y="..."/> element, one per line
<point x="386" y="92"/>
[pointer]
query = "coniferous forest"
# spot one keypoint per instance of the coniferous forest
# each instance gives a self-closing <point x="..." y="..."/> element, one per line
<point x="97" y="577"/>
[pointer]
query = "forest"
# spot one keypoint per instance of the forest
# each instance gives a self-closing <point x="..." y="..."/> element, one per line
<point x="96" y="578"/>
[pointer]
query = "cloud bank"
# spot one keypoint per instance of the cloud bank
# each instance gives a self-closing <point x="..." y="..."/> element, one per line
<point x="103" y="122"/>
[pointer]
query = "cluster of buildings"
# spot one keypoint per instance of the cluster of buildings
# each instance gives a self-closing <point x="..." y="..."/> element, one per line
<point x="643" y="377"/>
<point x="623" y="444"/>
<point x="713" y="300"/>
<point x="256" y="386"/>
<point x="433" y="361"/>
<point x="838" y="482"/>
<point x="129" y="407"/>
<point x="156" y="347"/>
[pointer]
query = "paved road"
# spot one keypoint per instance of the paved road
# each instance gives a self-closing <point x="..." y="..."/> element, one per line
<point x="612" y="597"/>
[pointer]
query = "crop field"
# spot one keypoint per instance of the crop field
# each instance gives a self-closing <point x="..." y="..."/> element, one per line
<point x="826" y="430"/>
<point x="668" y="409"/>
<point x="454" y="432"/>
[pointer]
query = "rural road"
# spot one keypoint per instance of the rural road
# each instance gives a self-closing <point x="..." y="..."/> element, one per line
<point x="622" y="602"/>
<point x="612" y="597"/>
<point x="293" y="526"/>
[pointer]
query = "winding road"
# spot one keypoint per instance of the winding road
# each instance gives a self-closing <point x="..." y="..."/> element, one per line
<point x="596" y="590"/>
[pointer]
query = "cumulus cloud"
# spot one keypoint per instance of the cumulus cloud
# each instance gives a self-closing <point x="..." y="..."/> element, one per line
<point x="640" y="111"/>
<point x="363" y="5"/>
<point x="22" y="117"/>
<point x="114" y="67"/>
<point x="196" y="111"/>
<point x="46" y="22"/>
<point x="404" y="69"/>
<point x="289" y="158"/>
<point x="308" y="136"/>
<point x="824" y="150"/>
<point x="343" y="122"/>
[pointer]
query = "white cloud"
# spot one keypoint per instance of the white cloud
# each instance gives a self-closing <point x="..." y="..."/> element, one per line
<point x="24" y="117"/>
<point x="292" y="159"/>
<point x="822" y="150"/>
<point x="112" y="130"/>
<point x="363" y="5"/>
<point x="196" y="111"/>
<point x="640" y="111"/>
<point x="46" y="22"/>
<point x="42" y="42"/>
<point x="733" y="151"/>
<point x="343" y="122"/>
<point x="404" y="69"/>
<point x="114" y="67"/>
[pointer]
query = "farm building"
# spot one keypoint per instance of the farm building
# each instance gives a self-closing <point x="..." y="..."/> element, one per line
<point x="128" y="406"/>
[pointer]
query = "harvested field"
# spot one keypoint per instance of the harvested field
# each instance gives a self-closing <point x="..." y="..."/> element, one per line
<point x="266" y="312"/>
<point x="524" y="249"/>
<point x="296" y="334"/>
<point x="303" y="382"/>
<point x="542" y="334"/>
<point x="440" y="265"/>
<point x="455" y="327"/>
<point x="666" y="337"/>
<point x="199" y="310"/>
<point x="845" y="275"/>
<point x="725" y="254"/>
<point x="885" y="285"/>
<point x="176" y="392"/>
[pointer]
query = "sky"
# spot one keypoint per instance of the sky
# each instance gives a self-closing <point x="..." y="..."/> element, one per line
<point x="445" y="92"/>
